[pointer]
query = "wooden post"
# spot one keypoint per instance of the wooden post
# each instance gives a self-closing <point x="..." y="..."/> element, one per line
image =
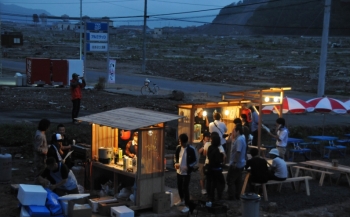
<point x="260" y="120"/>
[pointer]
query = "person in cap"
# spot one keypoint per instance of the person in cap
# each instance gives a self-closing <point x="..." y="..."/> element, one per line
<point x="75" y="89"/>
<point x="66" y="145"/>
<point x="55" y="150"/>
<point x="59" y="178"/>
<point x="201" y="161"/>
<point x="278" y="169"/>
<point x="201" y="123"/>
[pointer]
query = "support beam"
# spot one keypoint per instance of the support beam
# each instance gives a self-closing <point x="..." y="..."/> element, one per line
<point x="324" y="49"/>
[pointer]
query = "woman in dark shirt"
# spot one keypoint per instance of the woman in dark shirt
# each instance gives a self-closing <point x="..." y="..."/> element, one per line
<point x="215" y="178"/>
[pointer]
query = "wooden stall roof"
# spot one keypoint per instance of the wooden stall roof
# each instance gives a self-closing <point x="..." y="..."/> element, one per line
<point x="129" y="118"/>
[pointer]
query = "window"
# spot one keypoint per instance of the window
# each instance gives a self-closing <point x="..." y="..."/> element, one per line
<point x="16" y="40"/>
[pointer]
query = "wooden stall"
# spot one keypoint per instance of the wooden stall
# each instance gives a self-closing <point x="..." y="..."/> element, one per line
<point x="147" y="176"/>
<point x="230" y="107"/>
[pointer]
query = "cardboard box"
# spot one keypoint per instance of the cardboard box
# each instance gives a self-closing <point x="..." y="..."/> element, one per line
<point x="24" y="212"/>
<point x="31" y="195"/>
<point x="105" y="207"/>
<point x="121" y="211"/>
<point x="38" y="211"/>
<point x="94" y="202"/>
<point x="79" y="207"/>
<point x="161" y="202"/>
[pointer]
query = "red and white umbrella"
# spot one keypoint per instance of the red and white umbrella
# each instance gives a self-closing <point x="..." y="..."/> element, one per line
<point x="326" y="105"/>
<point x="292" y="105"/>
<point x="348" y="104"/>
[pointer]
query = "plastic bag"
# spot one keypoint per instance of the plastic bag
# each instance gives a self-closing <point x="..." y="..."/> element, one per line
<point x="52" y="203"/>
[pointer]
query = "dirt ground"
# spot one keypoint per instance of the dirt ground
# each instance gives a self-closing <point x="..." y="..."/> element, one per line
<point x="329" y="200"/>
<point x="254" y="61"/>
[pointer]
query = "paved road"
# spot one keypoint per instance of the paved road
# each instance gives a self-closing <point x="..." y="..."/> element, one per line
<point x="213" y="89"/>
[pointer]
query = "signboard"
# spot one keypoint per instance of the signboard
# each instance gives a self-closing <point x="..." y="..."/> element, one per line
<point x="97" y="26"/>
<point x="97" y="36"/>
<point x="111" y="71"/>
<point x="99" y="47"/>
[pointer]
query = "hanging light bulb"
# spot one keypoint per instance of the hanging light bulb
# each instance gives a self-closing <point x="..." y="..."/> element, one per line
<point x="276" y="99"/>
<point x="227" y="112"/>
<point x="150" y="133"/>
<point x="267" y="99"/>
<point x="205" y="113"/>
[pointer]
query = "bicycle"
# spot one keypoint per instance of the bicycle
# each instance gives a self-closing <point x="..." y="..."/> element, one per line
<point x="147" y="90"/>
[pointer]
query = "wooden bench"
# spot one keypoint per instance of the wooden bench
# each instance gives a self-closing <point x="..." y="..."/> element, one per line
<point x="293" y="179"/>
<point x="323" y="173"/>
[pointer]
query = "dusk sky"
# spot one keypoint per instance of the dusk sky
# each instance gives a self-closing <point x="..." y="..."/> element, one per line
<point x="126" y="8"/>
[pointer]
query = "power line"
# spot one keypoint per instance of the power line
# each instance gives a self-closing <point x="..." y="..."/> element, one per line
<point x="63" y="3"/>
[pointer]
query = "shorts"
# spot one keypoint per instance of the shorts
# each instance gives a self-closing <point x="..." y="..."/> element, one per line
<point x="201" y="171"/>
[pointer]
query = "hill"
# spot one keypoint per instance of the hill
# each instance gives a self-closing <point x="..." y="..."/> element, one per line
<point x="19" y="14"/>
<point x="298" y="17"/>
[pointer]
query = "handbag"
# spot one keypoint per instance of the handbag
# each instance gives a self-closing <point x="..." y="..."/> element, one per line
<point x="224" y="135"/>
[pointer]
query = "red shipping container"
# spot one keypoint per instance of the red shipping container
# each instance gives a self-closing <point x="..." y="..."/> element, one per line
<point x="59" y="72"/>
<point x="38" y="70"/>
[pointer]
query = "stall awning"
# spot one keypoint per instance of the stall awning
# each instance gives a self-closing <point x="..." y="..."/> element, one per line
<point x="129" y="118"/>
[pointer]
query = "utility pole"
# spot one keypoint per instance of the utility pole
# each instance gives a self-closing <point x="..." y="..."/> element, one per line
<point x="324" y="49"/>
<point x="144" y="39"/>
<point x="0" y="50"/>
<point x="80" y="30"/>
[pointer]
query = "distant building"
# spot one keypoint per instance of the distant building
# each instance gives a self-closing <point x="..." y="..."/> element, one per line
<point x="158" y="31"/>
<point x="11" y="39"/>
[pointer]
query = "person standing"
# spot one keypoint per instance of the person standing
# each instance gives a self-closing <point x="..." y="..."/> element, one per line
<point x="215" y="178"/>
<point x="237" y="163"/>
<point x="218" y="126"/>
<point x="66" y="145"/>
<point x="281" y="136"/>
<point x="40" y="146"/>
<point x="185" y="159"/>
<point x="55" y="150"/>
<point x="201" y="161"/>
<point x="202" y="121"/>
<point x="75" y="89"/>
<point x="254" y="126"/>
<point x="131" y="147"/>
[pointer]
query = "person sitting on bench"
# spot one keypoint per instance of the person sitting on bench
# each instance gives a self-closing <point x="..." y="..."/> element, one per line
<point x="258" y="169"/>
<point x="278" y="170"/>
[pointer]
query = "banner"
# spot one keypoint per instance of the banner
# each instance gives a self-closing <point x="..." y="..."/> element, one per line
<point x="111" y="72"/>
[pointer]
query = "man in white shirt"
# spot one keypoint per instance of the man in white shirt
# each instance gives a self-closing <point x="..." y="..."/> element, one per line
<point x="281" y="137"/>
<point x="185" y="159"/>
<point x="219" y="127"/>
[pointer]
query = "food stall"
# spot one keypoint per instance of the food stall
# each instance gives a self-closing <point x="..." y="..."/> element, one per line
<point x="230" y="106"/>
<point x="146" y="172"/>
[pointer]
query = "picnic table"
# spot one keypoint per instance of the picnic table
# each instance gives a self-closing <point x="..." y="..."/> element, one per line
<point x="331" y="146"/>
<point x="328" y="166"/>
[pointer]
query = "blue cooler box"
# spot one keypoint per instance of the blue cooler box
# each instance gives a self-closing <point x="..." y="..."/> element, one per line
<point x="38" y="211"/>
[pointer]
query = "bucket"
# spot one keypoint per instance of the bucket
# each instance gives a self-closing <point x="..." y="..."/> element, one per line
<point x="5" y="168"/>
